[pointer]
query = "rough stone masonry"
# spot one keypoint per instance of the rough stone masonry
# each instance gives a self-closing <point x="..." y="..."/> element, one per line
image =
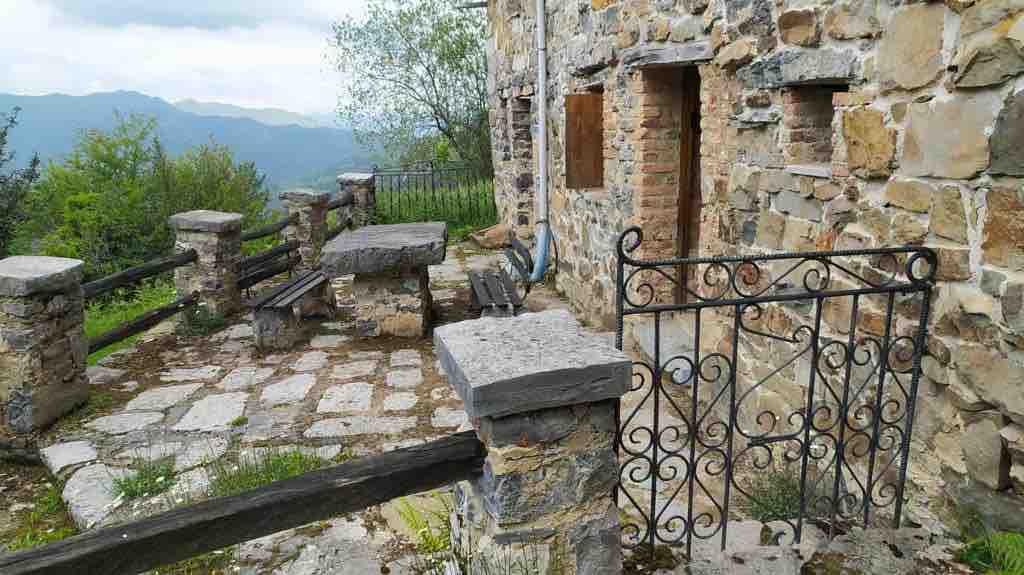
<point x="42" y="343"/>
<point x="823" y="124"/>
<point x="541" y="393"/>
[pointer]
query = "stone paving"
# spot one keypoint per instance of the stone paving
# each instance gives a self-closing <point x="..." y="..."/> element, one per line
<point x="207" y="402"/>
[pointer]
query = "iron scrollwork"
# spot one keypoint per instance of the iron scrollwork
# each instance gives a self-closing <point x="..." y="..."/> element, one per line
<point x="802" y="366"/>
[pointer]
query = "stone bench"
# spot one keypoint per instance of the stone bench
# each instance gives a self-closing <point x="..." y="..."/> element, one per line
<point x="392" y="283"/>
<point x="541" y="393"/>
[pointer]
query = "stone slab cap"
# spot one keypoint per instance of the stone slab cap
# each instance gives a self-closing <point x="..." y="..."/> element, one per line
<point x="355" y="178"/>
<point x="373" y="249"/>
<point x="305" y="196"/>
<point x="28" y="275"/>
<point x="206" y="221"/>
<point x="503" y="366"/>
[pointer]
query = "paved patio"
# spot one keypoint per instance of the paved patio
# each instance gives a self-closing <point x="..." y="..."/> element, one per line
<point x="209" y="402"/>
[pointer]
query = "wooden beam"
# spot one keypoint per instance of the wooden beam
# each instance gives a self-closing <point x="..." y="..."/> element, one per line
<point x="217" y="523"/>
<point x="269" y="229"/>
<point x="141" y="323"/>
<point x="138" y="273"/>
<point x="262" y="257"/>
<point x="266" y="272"/>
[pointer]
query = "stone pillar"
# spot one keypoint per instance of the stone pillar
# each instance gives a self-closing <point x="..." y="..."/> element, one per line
<point x="42" y="341"/>
<point x="541" y="394"/>
<point x="364" y="196"/>
<point x="216" y="237"/>
<point x="308" y="210"/>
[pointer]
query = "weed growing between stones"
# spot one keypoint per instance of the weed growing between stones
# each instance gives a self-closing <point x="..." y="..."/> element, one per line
<point x="199" y="321"/>
<point x="239" y="421"/>
<point x="774" y="496"/>
<point x="640" y="561"/>
<point x="45" y="522"/>
<point x="213" y="563"/>
<point x="150" y="478"/>
<point x="99" y="402"/>
<point x="436" y="555"/>
<point x="997" y="553"/>
<point x="259" y="470"/>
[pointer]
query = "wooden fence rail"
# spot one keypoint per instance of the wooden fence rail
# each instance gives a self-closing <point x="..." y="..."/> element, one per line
<point x="345" y="198"/>
<point x="138" y="273"/>
<point x="142" y="323"/>
<point x="217" y="523"/>
<point x="261" y="258"/>
<point x="269" y="229"/>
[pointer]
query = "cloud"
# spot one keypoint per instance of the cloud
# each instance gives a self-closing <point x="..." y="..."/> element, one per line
<point x="203" y="14"/>
<point x="265" y="58"/>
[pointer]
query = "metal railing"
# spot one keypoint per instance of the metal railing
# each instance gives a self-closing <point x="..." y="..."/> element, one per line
<point x="431" y="191"/>
<point x="802" y="367"/>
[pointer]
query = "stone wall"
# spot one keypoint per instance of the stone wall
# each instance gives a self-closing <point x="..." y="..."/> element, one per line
<point x="924" y="146"/>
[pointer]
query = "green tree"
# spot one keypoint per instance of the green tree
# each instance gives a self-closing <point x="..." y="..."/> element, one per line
<point x="108" y="202"/>
<point x="414" y="70"/>
<point x="14" y="184"/>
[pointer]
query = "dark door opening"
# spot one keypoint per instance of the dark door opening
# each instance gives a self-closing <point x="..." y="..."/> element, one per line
<point x="688" y="235"/>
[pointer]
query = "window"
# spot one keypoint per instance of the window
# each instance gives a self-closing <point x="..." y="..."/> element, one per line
<point x="807" y="129"/>
<point x="584" y="140"/>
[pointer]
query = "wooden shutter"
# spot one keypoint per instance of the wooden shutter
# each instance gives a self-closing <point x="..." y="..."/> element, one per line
<point x="584" y="140"/>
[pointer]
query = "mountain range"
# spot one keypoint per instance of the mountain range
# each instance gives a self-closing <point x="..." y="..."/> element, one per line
<point x="288" y="148"/>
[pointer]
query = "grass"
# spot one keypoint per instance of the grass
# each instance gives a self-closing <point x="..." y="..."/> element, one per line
<point x="46" y="522"/>
<point x="239" y="421"/>
<point x="259" y="470"/>
<point x="435" y="552"/>
<point x="997" y="553"/>
<point x="150" y="478"/>
<point x="465" y="209"/>
<point x="774" y="496"/>
<point x="110" y="312"/>
<point x="98" y="402"/>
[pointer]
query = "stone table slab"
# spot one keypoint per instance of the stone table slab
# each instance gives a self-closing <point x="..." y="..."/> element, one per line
<point x="374" y="249"/>
<point x="502" y="366"/>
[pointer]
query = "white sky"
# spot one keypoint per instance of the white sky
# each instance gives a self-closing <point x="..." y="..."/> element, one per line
<point x="253" y="53"/>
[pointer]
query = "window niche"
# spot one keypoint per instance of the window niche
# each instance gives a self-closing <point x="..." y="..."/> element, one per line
<point x="807" y="135"/>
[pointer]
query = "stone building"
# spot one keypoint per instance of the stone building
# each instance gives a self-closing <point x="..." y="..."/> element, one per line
<point x="750" y="126"/>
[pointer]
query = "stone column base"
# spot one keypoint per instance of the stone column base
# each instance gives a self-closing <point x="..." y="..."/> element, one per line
<point x="277" y="329"/>
<point x="393" y="303"/>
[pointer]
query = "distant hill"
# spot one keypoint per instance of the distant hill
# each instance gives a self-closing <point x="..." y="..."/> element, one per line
<point x="268" y="116"/>
<point x="289" y="155"/>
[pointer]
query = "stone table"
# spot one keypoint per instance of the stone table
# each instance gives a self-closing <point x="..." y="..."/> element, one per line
<point x="392" y="284"/>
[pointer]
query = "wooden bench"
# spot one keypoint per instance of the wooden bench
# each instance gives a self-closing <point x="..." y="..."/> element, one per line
<point x="494" y="293"/>
<point x="278" y="313"/>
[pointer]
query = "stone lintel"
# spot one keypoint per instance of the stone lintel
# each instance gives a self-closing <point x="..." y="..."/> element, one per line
<point x="305" y="196"/>
<point x="374" y="249"/>
<point x="535" y="361"/>
<point x="355" y="178"/>
<point x="206" y="221"/>
<point x="28" y="275"/>
<point x="651" y="56"/>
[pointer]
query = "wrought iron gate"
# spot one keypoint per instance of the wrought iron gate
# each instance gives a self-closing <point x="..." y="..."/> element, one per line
<point x="779" y="386"/>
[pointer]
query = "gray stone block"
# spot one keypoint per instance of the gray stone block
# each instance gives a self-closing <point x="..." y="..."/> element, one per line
<point x="535" y="361"/>
<point x="305" y="196"/>
<point x="28" y="275"/>
<point x="355" y="178"/>
<point x="206" y="221"/>
<point x="650" y="56"/>
<point x="375" y="249"/>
